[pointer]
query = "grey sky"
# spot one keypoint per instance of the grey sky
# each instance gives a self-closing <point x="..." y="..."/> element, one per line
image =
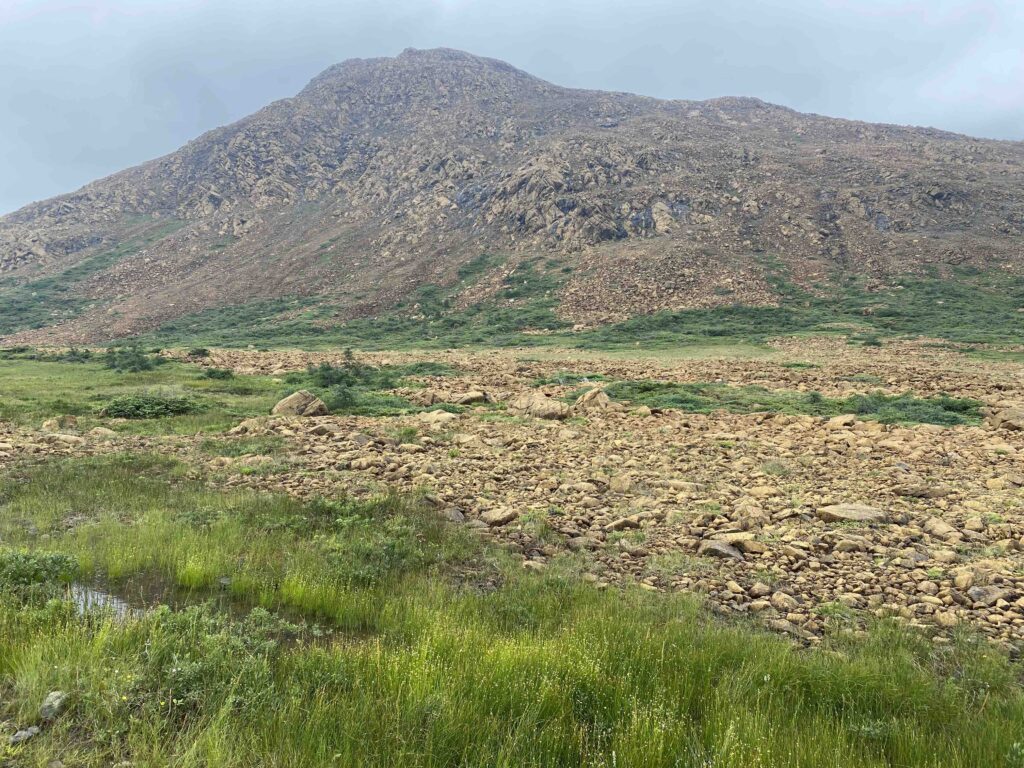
<point x="93" y="86"/>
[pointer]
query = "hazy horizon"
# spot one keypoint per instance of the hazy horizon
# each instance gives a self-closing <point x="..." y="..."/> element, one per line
<point x="89" y="88"/>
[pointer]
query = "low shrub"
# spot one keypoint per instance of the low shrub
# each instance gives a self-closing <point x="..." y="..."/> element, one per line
<point x="149" y="406"/>
<point x="130" y="359"/>
<point x="23" y="569"/>
<point x="218" y="373"/>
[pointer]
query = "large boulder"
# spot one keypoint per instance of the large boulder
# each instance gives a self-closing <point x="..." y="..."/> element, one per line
<point x="592" y="400"/>
<point x="537" y="405"/>
<point x="1008" y="418"/>
<point x="301" y="403"/>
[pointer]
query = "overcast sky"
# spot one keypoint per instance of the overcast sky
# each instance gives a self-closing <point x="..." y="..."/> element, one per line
<point x="90" y="87"/>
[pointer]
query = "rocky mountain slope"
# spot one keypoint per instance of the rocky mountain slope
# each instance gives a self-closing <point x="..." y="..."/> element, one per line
<point x="387" y="175"/>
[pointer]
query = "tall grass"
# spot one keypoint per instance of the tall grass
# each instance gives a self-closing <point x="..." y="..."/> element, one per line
<point x="452" y="656"/>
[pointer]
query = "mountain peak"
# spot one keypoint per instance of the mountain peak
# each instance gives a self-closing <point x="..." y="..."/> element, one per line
<point x="414" y="67"/>
<point x="388" y="175"/>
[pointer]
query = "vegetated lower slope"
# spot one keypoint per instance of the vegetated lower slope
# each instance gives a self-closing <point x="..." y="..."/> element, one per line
<point x="385" y="181"/>
<point x="377" y="649"/>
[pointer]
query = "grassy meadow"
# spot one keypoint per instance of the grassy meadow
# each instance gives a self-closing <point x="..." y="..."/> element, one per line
<point x="370" y="633"/>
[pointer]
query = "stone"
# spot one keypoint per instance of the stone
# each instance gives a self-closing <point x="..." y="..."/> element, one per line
<point x="301" y="403"/>
<point x="714" y="548"/>
<point x="851" y="513"/>
<point x="1008" y="418"/>
<point x="24" y="735"/>
<point x="592" y="400"/>
<point x="620" y="483"/>
<point x="538" y="405"/>
<point x="498" y="516"/>
<point x="940" y="529"/>
<point x="780" y="601"/>
<point x="472" y="397"/>
<point x="53" y="705"/>
<point x="60" y="423"/>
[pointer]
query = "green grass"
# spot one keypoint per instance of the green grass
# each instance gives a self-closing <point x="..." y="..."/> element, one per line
<point x="525" y="301"/>
<point x="968" y="307"/>
<point x="33" y="391"/>
<point x="178" y="398"/>
<point x="429" y="670"/>
<point x="47" y="300"/>
<point x="703" y="397"/>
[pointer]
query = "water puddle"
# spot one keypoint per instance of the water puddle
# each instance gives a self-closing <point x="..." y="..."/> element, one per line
<point x="89" y="599"/>
<point x="136" y="597"/>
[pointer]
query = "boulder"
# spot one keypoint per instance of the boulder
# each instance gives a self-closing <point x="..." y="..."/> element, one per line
<point x="1008" y="418"/>
<point x="437" y="418"/>
<point x="717" y="548"/>
<point x="537" y="405"/>
<point x="60" y="424"/>
<point x="472" y="397"/>
<point x="852" y="513"/>
<point x="301" y="403"/>
<point x="498" y="516"/>
<point x="940" y="529"/>
<point x="592" y="400"/>
<point x="53" y="705"/>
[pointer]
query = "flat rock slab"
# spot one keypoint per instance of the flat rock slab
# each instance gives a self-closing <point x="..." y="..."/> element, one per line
<point x="852" y="513"/>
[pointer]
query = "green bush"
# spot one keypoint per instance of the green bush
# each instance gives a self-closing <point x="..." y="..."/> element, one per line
<point x="130" y="359"/>
<point x="218" y="373"/>
<point x="149" y="406"/>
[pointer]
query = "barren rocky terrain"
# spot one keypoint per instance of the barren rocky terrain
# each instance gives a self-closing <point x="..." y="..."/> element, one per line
<point x="799" y="520"/>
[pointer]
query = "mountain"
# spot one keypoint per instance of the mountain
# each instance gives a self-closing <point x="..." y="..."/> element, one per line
<point x="388" y="180"/>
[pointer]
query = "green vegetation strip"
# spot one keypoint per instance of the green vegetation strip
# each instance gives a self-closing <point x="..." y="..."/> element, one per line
<point x="535" y="670"/>
<point x="968" y="307"/>
<point x="161" y="397"/>
<point x="708" y="397"/>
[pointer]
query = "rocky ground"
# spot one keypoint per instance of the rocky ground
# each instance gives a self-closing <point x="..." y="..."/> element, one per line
<point x="796" y="519"/>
